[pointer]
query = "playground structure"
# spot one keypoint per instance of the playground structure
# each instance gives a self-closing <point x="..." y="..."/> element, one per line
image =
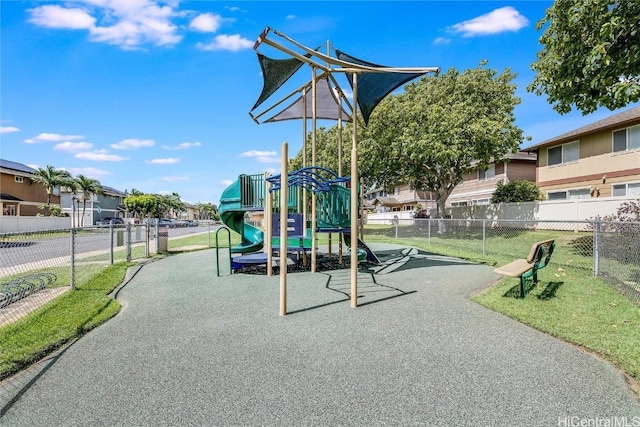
<point x="249" y="194"/>
<point x="370" y="84"/>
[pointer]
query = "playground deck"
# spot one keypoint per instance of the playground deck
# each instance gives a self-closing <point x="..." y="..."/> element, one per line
<point x="190" y="348"/>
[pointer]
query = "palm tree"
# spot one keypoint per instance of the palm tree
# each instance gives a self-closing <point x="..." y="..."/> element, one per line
<point x="51" y="178"/>
<point x="89" y="188"/>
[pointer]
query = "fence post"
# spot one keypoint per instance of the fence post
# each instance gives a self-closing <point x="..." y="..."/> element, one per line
<point x="596" y="246"/>
<point x="484" y="237"/>
<point x="73" y="259"/>
<point x="429" y="232"/>
<point x="209" y="233"/>
<point x="128" y="242"/>
<point x="157" y="239"/>
<point x="146" y="240"/>
<point x="111" y="244"/>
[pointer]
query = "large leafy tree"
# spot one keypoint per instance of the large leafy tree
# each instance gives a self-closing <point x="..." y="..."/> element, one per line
<point x="51" y="178"/>
<point x="327" y="140"/>
<point x="440" y="128"/>
<point x="590" y="55"/>
<point x="142" y="205"/>
<point x="206" y="211"/>
<point x="89" y="187"/>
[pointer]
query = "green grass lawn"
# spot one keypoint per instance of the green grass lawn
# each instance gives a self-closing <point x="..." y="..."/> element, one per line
<point x="61" y="320"/>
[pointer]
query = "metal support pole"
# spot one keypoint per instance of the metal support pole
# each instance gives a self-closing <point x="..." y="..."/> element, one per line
<point x="484" y="237"/>
<point x="146" y="240"/>
<point x="128" y="242"/>
<point x="596" y="247"/>
<point x="268" y="218"/>
<point x="284" y="180"/>
<point x="429" y="238"/>
<point x="354" y="199"/>
<point x="72" y="278"/>
<point x="111" y="244"/>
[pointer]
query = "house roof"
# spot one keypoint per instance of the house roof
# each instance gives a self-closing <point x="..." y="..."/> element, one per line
<point x="112" y="191"/>
<point x="522" y="155"/>
<point x="15" y="166"/>
<point x="631" y="116"/>
<point x="9" y="197"/>
<point x="386" y="201"/>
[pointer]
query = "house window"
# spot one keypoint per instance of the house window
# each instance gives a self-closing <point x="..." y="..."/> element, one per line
<point x="579" y="193"/>
<point x="626" y="139"/>
<point x="408" y="208"/>
<point x="481" y="202"/>
<point x="18" y="179"/>
<point x="619" y="190"/>
<point x="454" y="204"/>
<point x="564" y="153"/>
<point x="488" y="173"/>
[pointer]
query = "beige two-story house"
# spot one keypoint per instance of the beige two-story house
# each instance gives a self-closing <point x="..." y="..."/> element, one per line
<point x="18" y="196"/>
<point x="598" y="160"/>
<point x="403" y="198"/>
<point x="479" y="185"/>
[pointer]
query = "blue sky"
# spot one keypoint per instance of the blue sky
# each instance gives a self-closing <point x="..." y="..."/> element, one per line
<point x="155" y="95"/>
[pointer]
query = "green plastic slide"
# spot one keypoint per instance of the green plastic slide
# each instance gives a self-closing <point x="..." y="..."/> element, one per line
<point x="232" y="215"/>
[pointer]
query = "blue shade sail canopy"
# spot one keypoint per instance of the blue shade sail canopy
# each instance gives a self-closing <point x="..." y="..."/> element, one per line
<point x="372" y="86"/>
<point x="275" y="72"/>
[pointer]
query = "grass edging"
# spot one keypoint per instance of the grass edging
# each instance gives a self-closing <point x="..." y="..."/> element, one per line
<point x="60" y="321"/>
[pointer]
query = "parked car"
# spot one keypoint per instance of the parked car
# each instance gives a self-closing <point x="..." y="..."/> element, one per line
<point x="110" y="220"/>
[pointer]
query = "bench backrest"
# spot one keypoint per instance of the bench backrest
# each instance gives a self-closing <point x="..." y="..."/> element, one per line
<point x="540" y="253"/>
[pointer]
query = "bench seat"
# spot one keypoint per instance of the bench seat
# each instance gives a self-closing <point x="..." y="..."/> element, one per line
<point x="538" y="258"/>
<point x="514" y="269"/>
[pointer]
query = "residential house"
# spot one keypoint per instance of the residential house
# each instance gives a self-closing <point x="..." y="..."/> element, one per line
<point x="110" y="204"/>
<point x="402" y="198"/>
<point x="598" y="160"/>
<point x="19" y="196"/>
<point x="479" y="185"/>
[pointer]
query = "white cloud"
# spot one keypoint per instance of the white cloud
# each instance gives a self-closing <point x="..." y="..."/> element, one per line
<point x="233" y="43"/>
<point x="500" y="20"/>
<point x="54" y="16"/>
<point x="8" y="129"/>
<point x="226" y="182"/>
<point x="256" y="153"/>
<point x="175" y="178"/>
<point x="291" y="17"/>
<point x="52" y="137"/>
<point x="100" y="156"/>
<point x="206" y="23"/>
<point x="133" y="144"/>
<point x="262" y="156"/>
<point x="167" y="161"/>
<point x="234" y="9"/>
<point x="441" y="40"/>
<point x="72" y="147"/>
<point x="90" y="172"/>
<point x="183" y="146"/>
<point x="127" y="24"/>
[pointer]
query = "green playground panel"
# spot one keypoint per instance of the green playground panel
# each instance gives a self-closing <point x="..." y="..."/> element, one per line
<point x="293" y="242"/>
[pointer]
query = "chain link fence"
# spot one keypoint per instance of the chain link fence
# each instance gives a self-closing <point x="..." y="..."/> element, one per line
<point x="38" y="266"/>
<point x="607" y="249"/>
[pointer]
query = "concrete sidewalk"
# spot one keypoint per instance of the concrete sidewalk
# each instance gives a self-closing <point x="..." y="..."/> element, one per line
<point x="193" y="349"/>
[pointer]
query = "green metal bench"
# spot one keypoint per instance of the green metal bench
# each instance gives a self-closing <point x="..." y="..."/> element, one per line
<point x="538" y="258"/>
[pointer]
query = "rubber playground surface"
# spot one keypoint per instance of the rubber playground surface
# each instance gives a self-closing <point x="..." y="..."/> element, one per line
<point x="193" y="349"/>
